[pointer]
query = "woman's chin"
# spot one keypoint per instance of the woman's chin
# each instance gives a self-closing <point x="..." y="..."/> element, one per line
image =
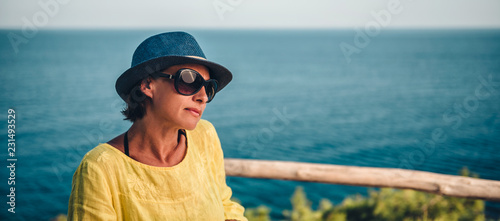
<point x="191" y="125"/>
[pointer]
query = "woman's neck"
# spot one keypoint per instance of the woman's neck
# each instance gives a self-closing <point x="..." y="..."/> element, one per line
<point x="154" y="144"/>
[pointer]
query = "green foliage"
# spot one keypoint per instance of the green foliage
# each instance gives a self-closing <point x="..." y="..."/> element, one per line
<point x="301" y="207"/>
<point x="260" y="213"/>
<point x="390" y="204"/>
<point x="384" y="204"/>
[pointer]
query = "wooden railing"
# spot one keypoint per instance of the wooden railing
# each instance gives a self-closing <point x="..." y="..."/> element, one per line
<point x="457" y="186"/>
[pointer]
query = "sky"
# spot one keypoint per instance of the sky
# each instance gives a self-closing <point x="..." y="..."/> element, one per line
<point x="248" y="14"/>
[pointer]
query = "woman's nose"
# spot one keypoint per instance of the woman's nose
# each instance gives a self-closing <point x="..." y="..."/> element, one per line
<point x="201" y="96"/>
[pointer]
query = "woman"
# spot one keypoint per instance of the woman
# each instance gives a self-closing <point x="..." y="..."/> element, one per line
<point x="169" y="165"/>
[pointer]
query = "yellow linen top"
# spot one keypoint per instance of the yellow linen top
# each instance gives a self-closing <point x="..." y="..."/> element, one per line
<point x="109" y="185"/>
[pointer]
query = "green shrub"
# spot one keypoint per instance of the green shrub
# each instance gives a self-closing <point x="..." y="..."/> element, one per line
<point x="260" y="213"/>
<point x="384" y="204"/>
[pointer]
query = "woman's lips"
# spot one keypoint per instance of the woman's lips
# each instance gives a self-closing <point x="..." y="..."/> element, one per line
<point x="195" y="111"/>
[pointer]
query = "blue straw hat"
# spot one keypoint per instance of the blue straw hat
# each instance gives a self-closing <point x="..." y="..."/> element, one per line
<point x="161" y="51"/>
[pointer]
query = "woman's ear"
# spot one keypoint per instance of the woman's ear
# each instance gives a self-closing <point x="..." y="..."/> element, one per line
<point x="147" y="86"/>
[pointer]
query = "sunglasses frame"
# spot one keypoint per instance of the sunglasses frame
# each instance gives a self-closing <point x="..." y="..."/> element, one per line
<point x="177" y="79"/>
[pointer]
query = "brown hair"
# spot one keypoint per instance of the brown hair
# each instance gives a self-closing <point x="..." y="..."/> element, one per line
<point x="136" y="104"/>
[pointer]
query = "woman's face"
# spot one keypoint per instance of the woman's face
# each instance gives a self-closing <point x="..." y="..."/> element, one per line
<point x="174" y="109"/>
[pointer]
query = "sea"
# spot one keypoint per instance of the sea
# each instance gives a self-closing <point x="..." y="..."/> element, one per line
<point x="424" y="100"/>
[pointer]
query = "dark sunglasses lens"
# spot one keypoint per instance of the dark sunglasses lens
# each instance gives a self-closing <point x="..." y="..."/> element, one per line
<point x="190" y="82"/>
<point x="210" y="89"/>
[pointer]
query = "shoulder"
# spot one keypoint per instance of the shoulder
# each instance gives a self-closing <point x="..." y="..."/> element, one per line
<point x="204" y="128"/>
<point x="99" y="155"/>
<point x="204" y="125"/>
<point x="205" y="137"/>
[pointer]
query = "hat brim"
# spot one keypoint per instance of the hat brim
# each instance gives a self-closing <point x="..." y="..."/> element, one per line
<point x="134" y="75"/>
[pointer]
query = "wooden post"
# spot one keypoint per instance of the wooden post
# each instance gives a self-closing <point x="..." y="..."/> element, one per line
<point x="457" y="186"/>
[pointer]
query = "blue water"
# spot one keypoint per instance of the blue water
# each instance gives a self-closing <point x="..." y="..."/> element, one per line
<point x="294" y="97"/>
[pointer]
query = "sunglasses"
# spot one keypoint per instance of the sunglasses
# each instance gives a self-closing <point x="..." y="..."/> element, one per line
<point x="188" y="82"/>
